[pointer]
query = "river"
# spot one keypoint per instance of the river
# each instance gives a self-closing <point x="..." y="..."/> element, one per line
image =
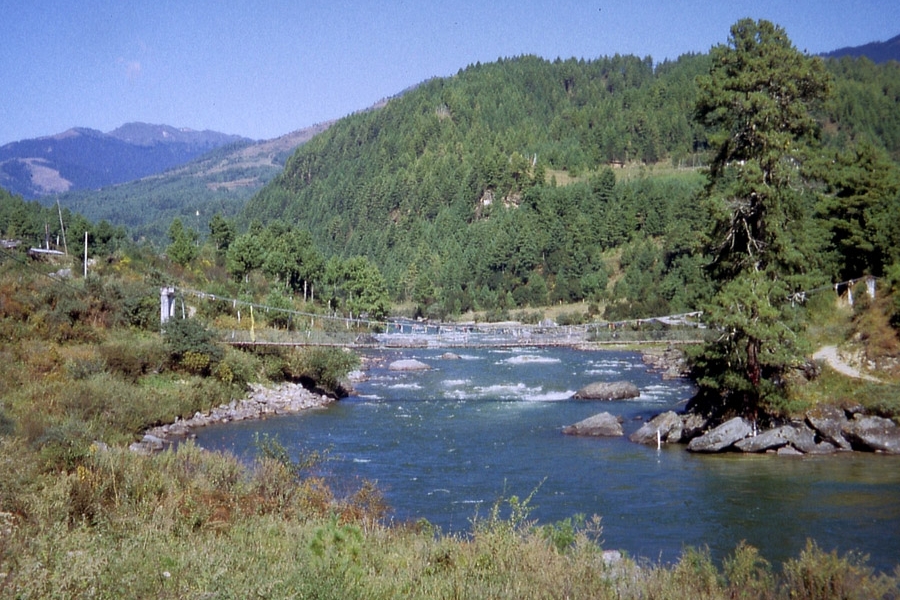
<point x="445" y="444"/>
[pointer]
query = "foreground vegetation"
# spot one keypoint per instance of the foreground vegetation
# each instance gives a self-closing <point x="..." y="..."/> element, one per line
<point x="84" y="369"/>
<point x="193" y="524"/>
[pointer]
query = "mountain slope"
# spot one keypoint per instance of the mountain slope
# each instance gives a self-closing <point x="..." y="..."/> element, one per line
<point x="83" y="158"/>
<point x="877" y="52"/>
<point x="219" y="181"/>
<point x="423" y="185"/>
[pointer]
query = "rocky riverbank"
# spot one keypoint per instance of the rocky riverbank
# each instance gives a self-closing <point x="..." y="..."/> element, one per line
<point x="822" y="430"/>
<point x="263" y="401"/>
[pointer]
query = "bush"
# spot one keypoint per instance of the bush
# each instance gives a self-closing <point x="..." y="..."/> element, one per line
<point x="238" y="368"/>
<point x="81" y="362"/>
<point x="187" y="336"/>
<point x="133" y="357"/>
<point x="817" y="574"/>
<point x="326" y="367"/>
<point x="7" y="425"/>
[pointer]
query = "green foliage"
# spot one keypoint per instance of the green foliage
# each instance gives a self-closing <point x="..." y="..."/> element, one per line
<point x="818" y="574"/>
<point x="132" y="357"/>
<point x="222" y="232"/>
<point x="326" y="367"/>
<point x="192" y="345"/>
<point x="749" y="575"/>
<point x="183" y="247"/>
<point x="270" y="448"/>
<point x="759" y="99"/>
<point x="859" y="206"/>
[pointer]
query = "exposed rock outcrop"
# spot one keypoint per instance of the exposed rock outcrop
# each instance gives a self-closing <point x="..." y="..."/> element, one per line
<point x="608" y="390"/>
<point x="600" y="425"/>
<point x="798" y="437"/>
<point x="666" y="427"/>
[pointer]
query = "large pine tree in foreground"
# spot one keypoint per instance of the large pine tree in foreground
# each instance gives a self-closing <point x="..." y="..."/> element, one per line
<point x="758" y="101"/>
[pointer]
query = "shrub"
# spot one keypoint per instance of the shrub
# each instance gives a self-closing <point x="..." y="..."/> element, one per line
<point x="816" y="574"/>
<point x="134" y="356"/>
<point x="81" y="362"/>
<point x="185" y="336"/>
<point x="749" y="575"/>
<point x="238" y="368"/>
<point x="326" y="367"/>
<point x="63" y="446"/>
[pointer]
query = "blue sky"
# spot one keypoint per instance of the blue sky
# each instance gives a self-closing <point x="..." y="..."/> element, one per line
<point x="265" y="68"/>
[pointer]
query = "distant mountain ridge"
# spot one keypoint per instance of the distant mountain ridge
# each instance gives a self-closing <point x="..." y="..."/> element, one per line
<point x="218" y="181"/>
<point x="82" y="158"/>
<point x="877" y="52"/>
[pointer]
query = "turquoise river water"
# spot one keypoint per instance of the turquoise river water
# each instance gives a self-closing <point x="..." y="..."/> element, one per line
<point x="445" y="444"/>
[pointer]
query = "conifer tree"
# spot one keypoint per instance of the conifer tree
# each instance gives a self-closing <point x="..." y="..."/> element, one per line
<point x="758" y="101"/>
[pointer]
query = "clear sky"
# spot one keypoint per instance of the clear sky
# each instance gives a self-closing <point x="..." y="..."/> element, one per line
<point x="268" y="67"/>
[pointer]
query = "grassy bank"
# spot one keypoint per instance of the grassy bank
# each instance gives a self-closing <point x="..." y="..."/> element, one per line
<point x="83" y="371"/>
<point x="188" y="523"/>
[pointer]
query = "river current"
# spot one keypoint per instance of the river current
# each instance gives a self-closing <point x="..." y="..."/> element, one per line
<point x="445" y="444"/>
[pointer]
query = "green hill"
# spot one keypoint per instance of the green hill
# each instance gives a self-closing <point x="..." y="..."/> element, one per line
<point x="500" y="187"/>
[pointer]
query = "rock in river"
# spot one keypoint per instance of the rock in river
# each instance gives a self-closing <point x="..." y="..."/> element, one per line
<point x="722" y="437"/>
<point x="608" y="390"/>
<point x="665" y="427"/>
<point x="873" y="433"/>
<point x="408" y="365"/>
<point x="601" y="425"/>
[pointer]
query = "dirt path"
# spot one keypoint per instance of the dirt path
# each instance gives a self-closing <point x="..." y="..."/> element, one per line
<point x="830" y="355"/>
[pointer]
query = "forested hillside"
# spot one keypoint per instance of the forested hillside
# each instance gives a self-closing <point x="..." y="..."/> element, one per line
<point x="500" y="187"/>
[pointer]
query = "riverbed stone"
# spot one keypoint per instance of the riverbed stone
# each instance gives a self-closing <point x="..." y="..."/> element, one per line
<point x="599" y="425"/>
<point x="450" y="356"/>
<point x="722" y="437"/>
<point x="409" y="364"/>
<point x="767" y="440"/>
<point x="873" y="433"/>
<point x="669" y="425"/>
<point x="828" y="421"/>
<point x="608" y="390"/>
<point x="788" y="451"/>
<point x="694" y="425"/>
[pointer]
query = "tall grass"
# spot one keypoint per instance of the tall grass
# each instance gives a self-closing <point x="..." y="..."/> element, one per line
<point x="190" y="524"/>
<point x="83" y="517"/>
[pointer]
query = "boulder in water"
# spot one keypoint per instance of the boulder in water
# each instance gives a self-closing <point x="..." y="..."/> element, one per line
<point x="608" y="390"/>
<point x="873" y="433"/>
<point x="829" y="421"/>
<point x="408" y="364"/>
<point x="665" y="427"/>
<point x="600" y="425"/>
<point x="722" y="437"/>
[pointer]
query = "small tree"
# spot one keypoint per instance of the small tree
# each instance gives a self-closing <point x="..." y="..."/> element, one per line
<point x="183" y="248"/>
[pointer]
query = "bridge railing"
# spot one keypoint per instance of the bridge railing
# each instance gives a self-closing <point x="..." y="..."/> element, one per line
<point x="464" y="337"/>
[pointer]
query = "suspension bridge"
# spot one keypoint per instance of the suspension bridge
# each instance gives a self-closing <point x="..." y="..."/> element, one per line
<point x="314" y="329"/>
